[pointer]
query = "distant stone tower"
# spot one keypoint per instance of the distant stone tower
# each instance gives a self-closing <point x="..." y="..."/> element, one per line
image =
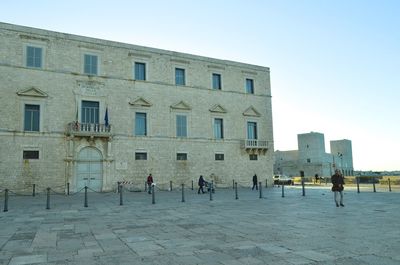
<point x="342" y="154"/>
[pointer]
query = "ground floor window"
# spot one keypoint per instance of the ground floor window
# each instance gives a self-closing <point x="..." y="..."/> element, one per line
<point x="181" y="156"/>
<point x="219" y="156"/>
<point x="140" y="156"/>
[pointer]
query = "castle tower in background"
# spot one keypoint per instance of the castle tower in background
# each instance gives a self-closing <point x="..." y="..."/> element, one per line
<point x="342" y="154"/>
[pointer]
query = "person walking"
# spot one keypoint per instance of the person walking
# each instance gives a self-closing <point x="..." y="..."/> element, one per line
<point x="255" y="183"/>
<point x="149" y="183"/>
<point x="337" y="187"/>
<point x="201" y="183"/>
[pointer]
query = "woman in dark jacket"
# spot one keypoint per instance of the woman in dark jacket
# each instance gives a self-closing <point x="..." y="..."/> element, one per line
<point x="338" y="182"/>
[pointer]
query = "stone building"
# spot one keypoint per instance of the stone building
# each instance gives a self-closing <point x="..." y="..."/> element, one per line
<point x="312" y="159"/>
<point x="93" y="112"/>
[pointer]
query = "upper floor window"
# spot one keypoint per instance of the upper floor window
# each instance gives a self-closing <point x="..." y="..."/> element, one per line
<point x="180" y="76"/>
<point x="140" y="71"/>
<point x="30" y="154"/>
<point x="216" y="81"/>
<point x="249" y="86"/>
<point x="219" y="157"/>
<point x="181" y="126"/>
<point x="32" y="118"/>
<point x="90" y="112"/>
<point x="181" y="156"/>
<point x="90" y="64"/>
<point x="140" y="124"/>
<point x="34" y="57"/>
<point x="251" y="130"/>
<point x="218" y="128"/>
<point x="140" y="156"/>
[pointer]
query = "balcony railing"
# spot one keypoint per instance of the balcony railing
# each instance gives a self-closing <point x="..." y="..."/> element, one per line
<point x="254" y="145"/>
<point x="88" y="129"/>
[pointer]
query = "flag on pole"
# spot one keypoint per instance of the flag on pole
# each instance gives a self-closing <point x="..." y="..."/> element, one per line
<point x="106" y="118"/>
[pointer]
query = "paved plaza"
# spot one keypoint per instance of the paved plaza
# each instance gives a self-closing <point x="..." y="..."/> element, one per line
<point x="293" y="229"/>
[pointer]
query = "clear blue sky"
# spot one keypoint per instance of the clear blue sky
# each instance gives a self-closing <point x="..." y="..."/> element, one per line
<point x="334" y="63"/>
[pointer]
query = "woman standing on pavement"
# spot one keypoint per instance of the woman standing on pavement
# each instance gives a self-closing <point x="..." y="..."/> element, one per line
<point x="338" y="182"/>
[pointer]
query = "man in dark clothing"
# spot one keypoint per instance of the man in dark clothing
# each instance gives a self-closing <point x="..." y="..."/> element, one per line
<point x="337" y="187"/>
<point x="255" y="184"/>
<point x="149" y="182"/>
<point x="201" y="183"/>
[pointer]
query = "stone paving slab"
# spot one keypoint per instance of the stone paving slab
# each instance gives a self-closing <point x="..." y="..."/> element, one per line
<point x="293" y="229"/>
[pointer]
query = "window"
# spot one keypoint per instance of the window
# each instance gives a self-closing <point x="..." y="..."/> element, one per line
<point x="29" y="154"/>
<point x="252" y="130"/>
<point x="181" y="156"/>
<point x="90" y="112"/>
<point x="250" y="86"/>
<point x="180" y="76"/>
<point x="218" y="128"/>
<point x="181" y="126"/>
<point x="308" y="160"/>
<point x="140" y="71"/>
<point x="32" y="118"/>
<point x="33" y="57"/>
<point x="140" y="124"/>
<point x="140" y="156"/>
<point x="253" y="157"/>
<point x="90" y="64"/>
<point x="219" y="156"/>
<point x="216" y="81"/>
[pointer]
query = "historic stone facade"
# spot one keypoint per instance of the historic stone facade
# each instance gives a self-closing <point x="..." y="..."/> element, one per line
<point x="92" y="112"/>
<point x="312" y="159"/>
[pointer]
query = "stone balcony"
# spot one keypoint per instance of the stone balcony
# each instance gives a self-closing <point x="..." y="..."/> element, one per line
<point x="254" y="146"/>
<point x="92" y="130"/>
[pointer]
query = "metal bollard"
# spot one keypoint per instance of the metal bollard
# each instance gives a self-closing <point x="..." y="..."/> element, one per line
<point x="192" y="184"/>
<point x="145" y="186"/>
<point x="153" y="196"/>
<point x="118" y="186"/>
<point x="304" y="190"/>
<point x="358" y="184"/>
<point x="183" y="192"/>
<point x="33" y="190"/>
<point x="390" y="186"/>
<point x="68" y="188"/>
<point x="5" y="200"/>
<point x="170" y="185"/>
<point x="236" y="191"/>
<point x="86" y="199"/>
<point x="121" y="202"/>
<point x="211" y="188"/>
<point x="48" y="199"/>
<point x="233" y="184"/>
<point x="373" y="184"/>
<point x="283" y="190"/>
<point x="259" y="184"/>
<point x="266" y="183"/>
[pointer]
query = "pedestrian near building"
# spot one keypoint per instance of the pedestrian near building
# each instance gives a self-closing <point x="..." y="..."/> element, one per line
<point x="255" y="183"/>
<point x="201" y="183"/>
<point x="337" y="187"/>
<point x="149" y="182"/>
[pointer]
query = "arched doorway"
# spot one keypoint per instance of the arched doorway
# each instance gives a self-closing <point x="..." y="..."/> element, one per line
<point x="89" y="169"/>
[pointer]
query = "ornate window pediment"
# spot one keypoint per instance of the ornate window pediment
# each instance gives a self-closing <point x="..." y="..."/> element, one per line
<point x="181" y="105"/>
<point x="32" y="92"/>
<point x="251" y="111"/>
<point x="218" y="108"/>
<point x="140" y="102"/>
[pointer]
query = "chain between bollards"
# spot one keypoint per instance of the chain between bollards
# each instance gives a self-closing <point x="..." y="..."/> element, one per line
<point x="390" y="186"/>
<point x="153" y="196"/>
<point x="48" y="199"/>
<point x="121" y="202"/>
<point x="358" y="184"/>
<point x="183" y="192"/>
<point x="236" y="191"/>
<point x="86" y="199"/>
<point x="261" y="195"/>
<point x="5" y="200"/>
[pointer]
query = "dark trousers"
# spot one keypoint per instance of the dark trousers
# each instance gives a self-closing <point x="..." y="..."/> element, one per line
<point x="200" y="189"/>
<point x="255" y="185"/>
